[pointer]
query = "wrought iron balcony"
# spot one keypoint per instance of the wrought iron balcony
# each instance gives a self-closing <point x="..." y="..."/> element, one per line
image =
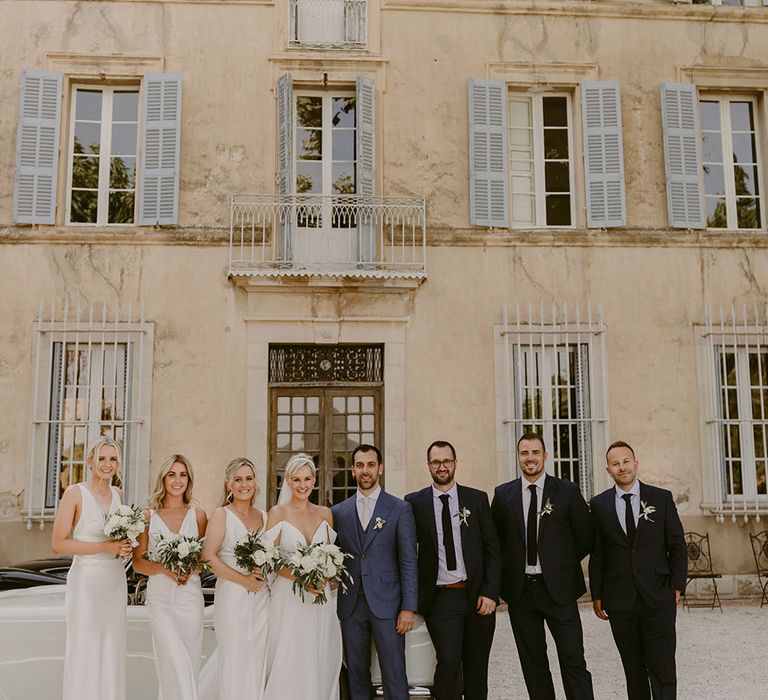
<point x="317" y="235"/>
<point x="335" y="24"/>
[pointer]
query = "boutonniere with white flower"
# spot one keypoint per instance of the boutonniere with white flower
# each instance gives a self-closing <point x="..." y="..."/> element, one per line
<point x="647" y="510"/>
<point x="380" y="522"/>
<point x="463" y="515"/>
<point x="548" y="509"/>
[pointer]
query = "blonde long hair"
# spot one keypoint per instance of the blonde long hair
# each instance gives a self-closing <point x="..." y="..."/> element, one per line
<point x="157" y="498"/>
<point x="106" y="441"/>
<point x="229" y="475"/>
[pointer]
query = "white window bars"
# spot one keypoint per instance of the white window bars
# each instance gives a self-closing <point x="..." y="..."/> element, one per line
<point x="92" y="373"/>
<point x="553" y="379"/>
<point x="736" y="422"/>
<point x="340" y="24"/>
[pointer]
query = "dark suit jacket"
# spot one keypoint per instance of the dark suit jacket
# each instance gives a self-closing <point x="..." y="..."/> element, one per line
<point x="479" y="545"/>
<point x="653" y="567"/>
<point x="384" y="558"/>
<point x="565" y="538"/>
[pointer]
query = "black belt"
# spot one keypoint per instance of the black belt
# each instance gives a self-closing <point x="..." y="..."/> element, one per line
<point x="534" y="579"/>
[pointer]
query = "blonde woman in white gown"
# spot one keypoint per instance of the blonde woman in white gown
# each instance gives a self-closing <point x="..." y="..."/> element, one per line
<point x="301" y="632"/>
<point x="96" y="595"/>
<point x="174" y="603"/>
<point x="242" y="599"/>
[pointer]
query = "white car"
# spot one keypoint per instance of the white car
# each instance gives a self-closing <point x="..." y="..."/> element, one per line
<point x="33" y="636"/>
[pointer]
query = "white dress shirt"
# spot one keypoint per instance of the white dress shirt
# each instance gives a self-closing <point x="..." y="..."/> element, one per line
<point x="372" y="498"/>
<point x="539" y="484"/>
<point x="621" y="506"/>
<point x="443" y="575"/>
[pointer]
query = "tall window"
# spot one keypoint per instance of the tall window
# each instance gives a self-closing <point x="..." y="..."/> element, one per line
<point x="103" y="148"/>
<point x="540" y="160"/>
<point x="730" y="158"/>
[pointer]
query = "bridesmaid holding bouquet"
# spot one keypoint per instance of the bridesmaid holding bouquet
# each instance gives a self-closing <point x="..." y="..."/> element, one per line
<point x="174" y="599"/>
<point x="96" y="595"/>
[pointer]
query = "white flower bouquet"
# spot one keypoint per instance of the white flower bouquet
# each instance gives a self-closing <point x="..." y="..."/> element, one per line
<point x="313" y="565"/>
<point x="126" y="523"/>
<point x="255" y="552"/>
<point x="181" y="554"/>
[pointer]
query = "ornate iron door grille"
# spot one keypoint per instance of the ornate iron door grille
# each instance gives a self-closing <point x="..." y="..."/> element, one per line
<point x="311" y="364"/>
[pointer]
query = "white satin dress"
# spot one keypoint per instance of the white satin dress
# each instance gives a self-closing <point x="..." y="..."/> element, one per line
<point x="175" y="619"/>
<point x="304" y="657"/>
<point x="95" y="605"/>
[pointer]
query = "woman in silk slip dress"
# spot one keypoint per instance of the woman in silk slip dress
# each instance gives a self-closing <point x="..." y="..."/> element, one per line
<point x="174" y="603"/>
<point x="96" y="594"/>
<point x="236" y="671"/>
<point x="305" y="651"/>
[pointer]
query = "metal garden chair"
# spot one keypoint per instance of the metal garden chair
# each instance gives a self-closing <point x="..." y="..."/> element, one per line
<point x="700" y="567"/>
<point x="759" y="542"/>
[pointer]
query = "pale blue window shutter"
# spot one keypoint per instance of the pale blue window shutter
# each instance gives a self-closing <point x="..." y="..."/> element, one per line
<point x="679" y="111"/>
<point x="37" y="148"/>
<point x="285" y="184"/>
<point x="603" y="154"/>
<point x="161" y="134"/>
<point x="366" y="166"/>
<point x="488" y="181"/>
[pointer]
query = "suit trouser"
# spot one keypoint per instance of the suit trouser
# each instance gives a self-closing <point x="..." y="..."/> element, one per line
<point x="462" y="641"/>
<point x="356" y="631"/>
<point x="527" y="615"/>
<point x="645" y="638"/>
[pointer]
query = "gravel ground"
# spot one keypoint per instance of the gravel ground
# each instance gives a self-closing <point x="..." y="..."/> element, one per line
<point x="722" y="656"/>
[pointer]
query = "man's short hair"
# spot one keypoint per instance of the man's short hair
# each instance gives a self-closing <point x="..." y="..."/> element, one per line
<point x="441" y="443"/>
<point x="365" y="447"/>
<point x="530" y="435"/>
<point x="619" y="443"/>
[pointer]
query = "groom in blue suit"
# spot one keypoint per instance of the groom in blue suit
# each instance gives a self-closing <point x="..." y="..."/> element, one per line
<point x="379" y="531"/>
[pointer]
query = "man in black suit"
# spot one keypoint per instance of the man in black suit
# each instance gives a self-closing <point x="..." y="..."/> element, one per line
<point x="636" y="572"/>
<point x="459" y="575"/>
<point x="545" y="531"/>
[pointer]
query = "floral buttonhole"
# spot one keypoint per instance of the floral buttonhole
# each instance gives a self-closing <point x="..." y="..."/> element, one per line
<point x="548" y="509"/>
<point x="647" y="510"/>
<point x="463" y="515"/>
<point x="380" y="522"/>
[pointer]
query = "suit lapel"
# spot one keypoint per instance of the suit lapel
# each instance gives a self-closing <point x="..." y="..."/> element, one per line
<point x="463" y="529"/>
<point x="516" y="497"/>
<point x="353" y="520"/>
<point x="428" y="504"/>
<point x="384" y="504"/>
<point x="613" y="516"/>
<point x="642" y="523"/>
<point x="547" y="496"/>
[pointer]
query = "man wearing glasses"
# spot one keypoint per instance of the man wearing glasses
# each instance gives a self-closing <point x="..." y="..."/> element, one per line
<point x="459" y="576"/>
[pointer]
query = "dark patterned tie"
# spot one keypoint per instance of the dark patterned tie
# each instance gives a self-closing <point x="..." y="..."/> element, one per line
<point x="629" y="517"/>
<point x="533" y="510"/>
<point x="450" y="550"/>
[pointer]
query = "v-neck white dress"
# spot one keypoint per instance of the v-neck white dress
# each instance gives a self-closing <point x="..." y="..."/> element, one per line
<point x="175" y="620"/>
<point x="95" y="605"/>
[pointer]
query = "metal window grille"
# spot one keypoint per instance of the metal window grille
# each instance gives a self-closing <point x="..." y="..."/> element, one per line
<point x="341" y="24"/>
<point x="555" y="385"/>
<point x="737" y="420"/>
<point x="88" y="382"/>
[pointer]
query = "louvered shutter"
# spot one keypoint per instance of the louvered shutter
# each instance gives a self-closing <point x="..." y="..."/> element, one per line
<point x="488" y="181"/>
<point x="284" y="162"/>
<point x="603" y="154"/>
<point x="366" y="166"/>
<point x="161" y="134"/>
<point x="681" y="155"/>
<point x="37" y="148"/>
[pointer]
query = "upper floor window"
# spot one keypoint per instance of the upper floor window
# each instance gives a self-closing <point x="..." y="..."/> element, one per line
<point x="732" y="173"/>
<point x="103" y="147"/>
<point x="341" y="24"/>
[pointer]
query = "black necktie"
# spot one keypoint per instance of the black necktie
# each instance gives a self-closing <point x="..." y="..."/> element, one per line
<point x="629" y="517"/>
<point x="450" y="551"/>
<point x="533" y="509"/>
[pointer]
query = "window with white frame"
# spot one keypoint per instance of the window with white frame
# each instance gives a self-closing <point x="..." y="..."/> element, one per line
<point x="736" y="423"/>
<point x="341" y="24"/>
<point x="540" y="167"/>
<point x="92" y="378"/>
<point x="103" y="148"/>
<point x="554" y="385"/>
<point x="731" y="162"/>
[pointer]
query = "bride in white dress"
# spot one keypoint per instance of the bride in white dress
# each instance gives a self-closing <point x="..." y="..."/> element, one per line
<point x="301" y="630"/>
<point x="174" y="603"/>
<point x="242" y="599"/>
<point x="96" y="595"/>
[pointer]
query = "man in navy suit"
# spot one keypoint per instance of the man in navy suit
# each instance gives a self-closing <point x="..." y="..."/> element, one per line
<point x="459" y="576"/>
<point x="636" y="573"/>
<point x="545" y="531"/>
<point x="378" y="530"/>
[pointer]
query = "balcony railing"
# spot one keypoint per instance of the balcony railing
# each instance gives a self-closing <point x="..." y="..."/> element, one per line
<point x="340" y="24"/>
<point x="340" y="235"/>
